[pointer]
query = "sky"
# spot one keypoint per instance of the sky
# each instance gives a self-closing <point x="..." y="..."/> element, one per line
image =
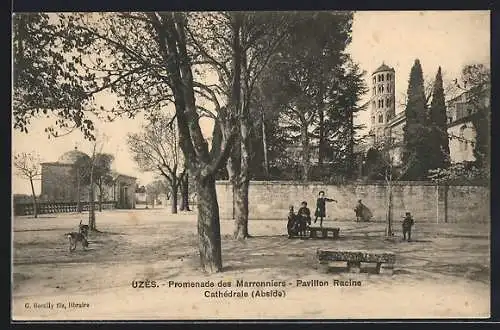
<point x="450" y="39"/>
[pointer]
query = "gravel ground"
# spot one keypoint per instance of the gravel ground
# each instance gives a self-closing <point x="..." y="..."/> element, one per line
<point x="443" y="273"/>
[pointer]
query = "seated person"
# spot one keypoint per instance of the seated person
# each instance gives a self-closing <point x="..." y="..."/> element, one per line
<point x="292" y="225"/>
<point x="304" y="216"/>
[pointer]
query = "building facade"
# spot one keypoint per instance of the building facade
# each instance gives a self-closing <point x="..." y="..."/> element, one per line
<point x="61" y="183"/>
<point x="387" y="127"/>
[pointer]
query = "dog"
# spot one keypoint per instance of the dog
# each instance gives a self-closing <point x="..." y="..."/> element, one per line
<point x="74" y="238"/>
<point x="83" y="229"/>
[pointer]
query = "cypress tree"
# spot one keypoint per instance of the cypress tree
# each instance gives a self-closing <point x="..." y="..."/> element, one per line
<point x="416" y="131"/>
<point x="440" y="149"/>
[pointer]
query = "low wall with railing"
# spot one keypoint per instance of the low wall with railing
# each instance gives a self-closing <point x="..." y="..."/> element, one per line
<point x="59" y="207"/>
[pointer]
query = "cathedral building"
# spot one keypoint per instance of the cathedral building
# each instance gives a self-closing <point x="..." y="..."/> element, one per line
<point x="386" y="126"/>
<point x="61" y="183"/>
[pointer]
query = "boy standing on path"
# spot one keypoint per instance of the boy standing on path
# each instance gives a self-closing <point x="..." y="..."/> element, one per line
<point x="408" y="222"/>
<point x="321" y="207"/>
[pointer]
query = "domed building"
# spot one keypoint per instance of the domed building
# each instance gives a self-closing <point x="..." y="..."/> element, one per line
<point x="71" y="157"/>
<point x="61" y="182"/>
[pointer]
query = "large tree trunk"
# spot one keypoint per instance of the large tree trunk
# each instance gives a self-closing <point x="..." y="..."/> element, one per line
<point x="191" y="138"/>
<point x="35" y="210"/>
<point x="174" y="188"/>
<point x="208" y="225"/>
<point x="241" y="221"/>
<point x="241" y="216"/>
<point x="185" y="193"/>
<point x="304" y="137"/>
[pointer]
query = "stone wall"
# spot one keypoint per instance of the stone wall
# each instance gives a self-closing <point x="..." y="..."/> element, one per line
<point x="271" y="200"/>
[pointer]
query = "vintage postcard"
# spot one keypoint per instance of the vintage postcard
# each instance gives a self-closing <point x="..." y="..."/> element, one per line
<point x="251" y="165"/>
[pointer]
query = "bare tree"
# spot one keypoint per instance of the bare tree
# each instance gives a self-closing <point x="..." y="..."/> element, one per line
<point x="390" y="170"/>
<point x="154" y="189"/>
<point x="237" y="49"/>
<point x="94" y="171"/>
<point x="157" y="149"/>
<point x="27" y="166"/>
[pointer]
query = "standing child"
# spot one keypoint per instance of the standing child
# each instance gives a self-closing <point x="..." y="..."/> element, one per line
<point x="321" y="207"/>
<point x="408" y="222"/>
<point x="304" y="217"/>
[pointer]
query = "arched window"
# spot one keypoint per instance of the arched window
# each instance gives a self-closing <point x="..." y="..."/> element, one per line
<point x="388" y="77"/>
<point x="380" y="118"/>
<point x="382" y="77"/>
<point x="382" y="88"/>
<point x="388" y="88"/>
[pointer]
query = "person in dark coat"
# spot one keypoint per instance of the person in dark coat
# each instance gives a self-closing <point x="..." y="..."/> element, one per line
<point x="304" y="217"/>
<point x="408" y="222"/>
<point x="291" y="226"/>
<point x="321" y="207"/>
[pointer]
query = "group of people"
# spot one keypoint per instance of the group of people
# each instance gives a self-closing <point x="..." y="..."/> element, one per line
<point x="298" y="223"/>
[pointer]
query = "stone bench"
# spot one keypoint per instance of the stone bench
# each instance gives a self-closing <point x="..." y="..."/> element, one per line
<point x="384" y="260"/>
<point x="314" y="231"/>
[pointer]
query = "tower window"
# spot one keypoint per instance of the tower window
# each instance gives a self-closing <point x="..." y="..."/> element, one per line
<point x="382" y="88"/>
<point x="388" y="77"/>
<point x="374" y="91"/>
<point x="381" y="77"/>
<point x="374" y="80"/>
<point x="388" y="87"/>
<point x="380" y="118"/>
<point x="386" y="102"/>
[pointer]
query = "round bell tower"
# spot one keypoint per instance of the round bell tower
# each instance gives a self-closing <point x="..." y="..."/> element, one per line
<point x="383" y="100"/>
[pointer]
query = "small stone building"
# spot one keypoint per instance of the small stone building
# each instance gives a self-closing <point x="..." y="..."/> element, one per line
<point x="60" y="183"/>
